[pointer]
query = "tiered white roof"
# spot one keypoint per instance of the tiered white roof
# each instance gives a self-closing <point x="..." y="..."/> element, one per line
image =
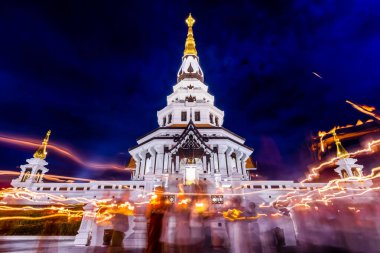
<point x="190" y="98"/>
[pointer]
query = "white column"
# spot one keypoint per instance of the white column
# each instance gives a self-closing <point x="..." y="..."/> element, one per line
<point x="212" y="162"/>
<point x="229" y="160"/>
<point x="166" y="161"/>
<point x="137" y="237"/>
<point x="160" y="159"/>
<point x="137" y="160"/>
<point x="170" y="161"/>
<point x="212" y="167"/>
<point x="84" y="236"/>
<point x="244" y="161"/>
<point x="222" y="159"/>
<point x="215" y="158"/>
<point x="152" y="153"/>
<point x="177" y="163"/>
<point x="142" y="156"/>
<point x="204" y="163"/>
<point x="239" y="156"/>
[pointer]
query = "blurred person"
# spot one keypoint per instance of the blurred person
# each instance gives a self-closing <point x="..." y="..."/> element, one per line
<point x="197" y="230"/>
<point x="183" y="240"/>
<point x="155" y="214"/>
<point x="253" y="229"/>
<point x="168" y="230"/>
<point x="237" y="227"/>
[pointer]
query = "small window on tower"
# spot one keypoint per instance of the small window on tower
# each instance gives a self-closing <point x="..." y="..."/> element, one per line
<point x="216" y="121"/>
<point x="184" y="116"/>
<point x="197" y="116"/>
<point x="26" y="175"/>
<point x="170" y="118"/>
<point x="164" y="121"/>
<point x="211" y="118"/>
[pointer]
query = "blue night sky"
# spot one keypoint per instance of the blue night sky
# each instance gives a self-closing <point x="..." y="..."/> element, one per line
<point x="96" y="72"/>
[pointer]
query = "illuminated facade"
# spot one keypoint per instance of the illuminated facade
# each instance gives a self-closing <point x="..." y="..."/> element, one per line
<point x="189" y="146"/>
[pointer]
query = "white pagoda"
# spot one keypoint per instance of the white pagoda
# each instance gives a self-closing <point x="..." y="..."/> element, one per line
<point x="189" y="147"/>
<point x="191" y="130"/>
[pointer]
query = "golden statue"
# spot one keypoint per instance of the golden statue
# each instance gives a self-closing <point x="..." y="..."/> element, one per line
<point x="190" y="160"/>
<point x="41" y="151"/>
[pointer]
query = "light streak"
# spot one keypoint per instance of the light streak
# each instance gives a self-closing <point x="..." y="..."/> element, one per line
<point x="56" y="178"/>
<point x="200" y="207"/>
<point x="27" y="142"/>
<point x="45" y="198"/>
<point x="369" y="110"/>
<point x="237" y="215"/>
<point x="321" y="135"/>
<point x="184" y="201"/>
<point x="60" y="212"/>
<point x="317" y="75"/>
<point x="32" y="218"/>
<point x="108" y="211"/>
<point x="314" y="171"/>
<point x="104" y="209"/>
<point x="334" y="190"/>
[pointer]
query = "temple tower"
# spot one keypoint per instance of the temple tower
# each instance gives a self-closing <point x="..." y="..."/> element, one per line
<point x="34" y="170"/>
<point x="347" y="166"/>
<point x="190" y="142"/>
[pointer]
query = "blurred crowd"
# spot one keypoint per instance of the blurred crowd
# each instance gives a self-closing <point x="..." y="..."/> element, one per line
<point x="189" y="225"/>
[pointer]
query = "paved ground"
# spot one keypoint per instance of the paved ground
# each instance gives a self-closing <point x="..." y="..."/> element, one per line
<point x="64" y="246"/>
<point x="67" y="246"/>
<point x="54" y="246"/>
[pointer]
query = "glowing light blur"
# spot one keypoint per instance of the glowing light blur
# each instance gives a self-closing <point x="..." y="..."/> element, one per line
<point x="317" y="75"/>
<point x="27" y="142"/>
<point x="314" y="172"/>
<point x="369" y="110"/>
<point x="56" y="178"/>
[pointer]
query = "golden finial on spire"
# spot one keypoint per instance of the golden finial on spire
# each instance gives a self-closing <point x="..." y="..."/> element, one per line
<point x="41" y="151"/>
<point x="190" y="42"/>
<point x="340" y="150"/>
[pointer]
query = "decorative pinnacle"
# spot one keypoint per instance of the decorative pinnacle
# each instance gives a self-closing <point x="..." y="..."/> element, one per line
<point x="190" y="42"/>
<point x="190" y="21"/>
<point x="41" y="151"/>
<point x="340" y="150"/>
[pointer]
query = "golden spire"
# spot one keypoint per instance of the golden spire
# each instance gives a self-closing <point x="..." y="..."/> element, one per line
<point x="190" y="42"/>
<point x="340" y="150"/>
<point x="41" y="151"/>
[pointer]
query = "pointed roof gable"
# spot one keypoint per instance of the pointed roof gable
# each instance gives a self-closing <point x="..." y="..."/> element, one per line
<point x="187" y="137"/>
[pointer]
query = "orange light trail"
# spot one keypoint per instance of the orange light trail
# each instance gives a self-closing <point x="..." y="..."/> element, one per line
<point x="314" y="171"/>
<point x="32" y="218"/>
<point x="61" y="212"/>
<point x="369" y="110"/>
<point x="25" y="194"/>
<point x="105" y="210"/>
<point x="27" y="142"/>
<point x="56" y="178"/>
<point x="236" y="215"/>
<point x="333" y="190"/>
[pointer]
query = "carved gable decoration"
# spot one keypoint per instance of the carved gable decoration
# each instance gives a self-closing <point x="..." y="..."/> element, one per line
<point x="191" y="143"/>
<point x="191" y="99"/>
<point x="191" y="139"/>
<point x="190" y="69"/>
